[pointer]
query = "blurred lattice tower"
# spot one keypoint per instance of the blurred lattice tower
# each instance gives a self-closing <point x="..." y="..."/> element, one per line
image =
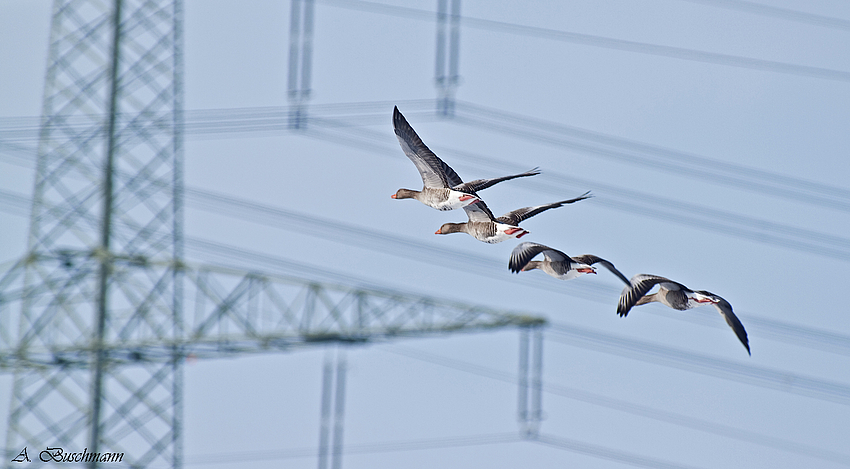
<point x="106" y="222"/>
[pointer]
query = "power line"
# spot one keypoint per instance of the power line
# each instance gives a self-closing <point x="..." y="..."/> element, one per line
<point x="602" y="42"/>
<point x="603" y="452"/>
<point x="659" y="158"/>
<point x="244" y="255"/>
<point x="388" y="447"/>
<point x="776" y="12"/>
<point x="812" y="337"/>
<point x="675" y="358"/>
<point x="567" y="444"/>
<point x="486" y="267"/>
<point x="777" y="330"/>
<point x="367" y="238"/>
<point x="641" y="203"/>
<point x="791" y="188"/>
<point x="633" y="202"/>
<point x="793" y="334"/>
<point x="462" y="260"/>
<point x="712" y="366"/>
<point x="673" y="418"/>
<point x="199" y="122"/>
<point x="650" y="156"/>
<point x="444" y="257"/>
<point x="273" y="263"/>
<point x="347" y="117"/>
<point x="15" y="203"/>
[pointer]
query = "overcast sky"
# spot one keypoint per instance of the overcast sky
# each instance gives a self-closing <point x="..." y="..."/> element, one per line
<point x="763" y="143"/>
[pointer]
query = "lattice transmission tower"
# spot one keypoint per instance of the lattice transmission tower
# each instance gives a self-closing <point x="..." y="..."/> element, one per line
<point x="92" y="319"/>
<point x="105" y="226"/>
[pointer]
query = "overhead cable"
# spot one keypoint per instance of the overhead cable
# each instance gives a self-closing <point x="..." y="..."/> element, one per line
<point x="350" y="117"/>
<point x="776" y="12"/>
<point x="445" y="257"/>
<point x="661" y="354"/>
<point x="660" y="415"/>
<point x="602" y="41"/>
<point x="363" y="448"/>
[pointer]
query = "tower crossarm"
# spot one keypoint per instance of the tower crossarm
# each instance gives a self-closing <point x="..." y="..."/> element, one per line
<point x="230" y="311"/>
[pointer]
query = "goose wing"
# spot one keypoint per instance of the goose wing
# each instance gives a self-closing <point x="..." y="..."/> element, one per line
<point x="434" y="171"/>
<point x="480" y="184"/>
<point x="590" y="259"/>
<point x="524" y="252"/>
<point x="725" y="310"/>
<point x="639" y="286"/>
<point x="478" y="212"/>
<point x="520" y="214"/>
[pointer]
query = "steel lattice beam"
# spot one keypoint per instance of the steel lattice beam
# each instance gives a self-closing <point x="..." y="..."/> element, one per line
<point x="231" y="312"/>
<point x="237" y="312"/>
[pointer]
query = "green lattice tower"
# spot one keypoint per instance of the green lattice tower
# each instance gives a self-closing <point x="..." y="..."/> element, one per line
<point x="106" y="220"/>
<point x="91" y="317"/>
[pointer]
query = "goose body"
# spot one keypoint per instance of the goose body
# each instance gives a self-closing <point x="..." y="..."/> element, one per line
<point x="440" y="198"/>
<point x="488" y="231"/>
<point x="442" y="188"/>
<point x="677" y="296"/>
<point x="556" y="263"/>
<point x="483" y="226"/>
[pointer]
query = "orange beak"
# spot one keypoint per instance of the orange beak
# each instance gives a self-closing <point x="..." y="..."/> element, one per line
<point x="437" y="232"/>
<point x="393" y="196"/>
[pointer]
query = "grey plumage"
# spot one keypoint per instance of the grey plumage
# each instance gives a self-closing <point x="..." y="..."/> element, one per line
<point x="520" y="214"/>
<point x="556" y="263"/>
<point x="483" y="226"/>
<point x="524" y="252"/>
<point x="434" y="172"/>
<point x="677" y="296"/>
<point x="438" y="178"/>
<point x="590" y="259"/>
<point x="472" y="187"/>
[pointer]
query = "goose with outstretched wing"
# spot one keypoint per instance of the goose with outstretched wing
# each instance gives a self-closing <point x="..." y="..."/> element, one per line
<point x="677" y="296"/>
<point x="557" y="263"/>
<point x="442" y="188"/>
<point x="483" y="226"/>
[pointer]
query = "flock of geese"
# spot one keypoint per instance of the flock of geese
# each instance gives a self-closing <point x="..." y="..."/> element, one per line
<point x="443" y="189"/>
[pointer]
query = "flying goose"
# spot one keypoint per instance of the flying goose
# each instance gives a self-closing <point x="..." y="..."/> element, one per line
<point x="677" y="296"/>
<point x="443" y="188"/>
<point x="483" y="226"/>
<point x="556" y="263"/>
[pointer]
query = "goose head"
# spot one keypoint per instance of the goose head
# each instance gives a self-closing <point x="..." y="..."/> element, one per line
<point x="404" y="194"/>
<point x="448" y="228"/>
